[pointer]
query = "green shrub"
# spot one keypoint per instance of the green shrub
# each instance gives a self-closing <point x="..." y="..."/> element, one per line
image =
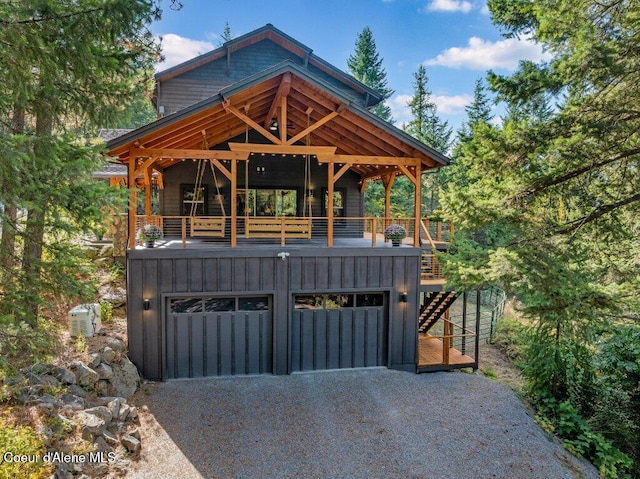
<point x="106" y="311"/>
<point x="22" y="440"/>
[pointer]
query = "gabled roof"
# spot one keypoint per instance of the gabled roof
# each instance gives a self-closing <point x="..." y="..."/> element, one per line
<point x="352" y="129"/>
<point x="272" y="33"/>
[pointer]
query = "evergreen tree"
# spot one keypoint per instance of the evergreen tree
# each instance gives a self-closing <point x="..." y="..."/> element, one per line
<point x="365" y="65"/>
<point x="63" y="69"/>
<point x="554" y="194"/>
<point x="479" y="111"/>
<point x="226" y="35"/>
<point x="426" y="125"/>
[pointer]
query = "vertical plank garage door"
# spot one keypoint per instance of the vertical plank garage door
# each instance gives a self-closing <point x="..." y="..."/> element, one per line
<point x="334" y="331"/>
<point x="218" y="336"/>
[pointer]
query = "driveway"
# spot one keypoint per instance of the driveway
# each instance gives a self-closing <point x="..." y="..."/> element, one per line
<point x="346" y="424"/>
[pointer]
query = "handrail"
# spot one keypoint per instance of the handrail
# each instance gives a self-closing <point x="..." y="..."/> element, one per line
<point x="426" y="230"/>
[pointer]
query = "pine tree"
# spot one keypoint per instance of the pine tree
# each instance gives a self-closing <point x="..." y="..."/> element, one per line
<point x="365" y="65"/>
<point x="63" y="70"/>
<point x="226" y="35"/>
<point x="425" y="124"/>
<point x="479" y="111"/>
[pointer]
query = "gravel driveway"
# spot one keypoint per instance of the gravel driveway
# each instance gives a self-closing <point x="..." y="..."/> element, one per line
<point x="346" y="424"/>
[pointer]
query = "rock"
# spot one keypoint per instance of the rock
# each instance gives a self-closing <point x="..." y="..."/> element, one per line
<point x="48" y="381"/>
<point x="125" y="379"/>
<point x="91" y="425"/>
<point x="110" y="437"/>
<point x="102" y="412"/>
<point x="116" y="344"/>
<point x="101" y="387"/>
<point x="115" y="405"/>
<point x="63" y="375"/>
<point x="85" y="375"/>
<point x="74" y="402"/>
<point x="14" y="380"/>
<point x="101" y="444"/>
<point x="46" y="433"/>
<point x="117" y="297"/>
<point x="47" y="403"/>
<point x="95" y="360"/>
<point x="77" y="391"/>
<point x="104" y="371"/>
<point x="125" y="409"/>
<point x="28" y="393"/>
<point x="135" y="433"/>
<point x="130" y="443"/>
<point x="108" y="355"/>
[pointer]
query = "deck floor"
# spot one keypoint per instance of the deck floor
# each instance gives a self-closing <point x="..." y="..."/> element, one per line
<point x="430" y="353"/>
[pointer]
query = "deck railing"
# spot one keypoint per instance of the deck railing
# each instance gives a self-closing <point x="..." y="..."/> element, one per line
<point x="449" y="343"/>
<point x="284" y="228"/>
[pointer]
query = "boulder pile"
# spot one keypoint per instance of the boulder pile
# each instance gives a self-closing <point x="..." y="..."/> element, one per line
<point x="91" y="399"/>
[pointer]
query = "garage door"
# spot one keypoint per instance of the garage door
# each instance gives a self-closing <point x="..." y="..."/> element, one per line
<point x="218" y="336"/>
<point x="335" y="331"/>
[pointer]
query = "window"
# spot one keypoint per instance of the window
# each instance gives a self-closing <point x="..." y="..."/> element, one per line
<point x="339" y="202"/>
<point x="212" y="305"/>
<point x="194" y="200"/>
<point x="337" y="300"/>
<point x="268" y="202"/>
<point x="186" y="305"/>
<point x="253" y="303"/>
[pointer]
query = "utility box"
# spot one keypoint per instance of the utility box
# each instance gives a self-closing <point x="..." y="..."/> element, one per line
<point x="84" y="320"/>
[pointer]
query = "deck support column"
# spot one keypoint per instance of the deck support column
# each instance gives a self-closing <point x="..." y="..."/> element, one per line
<point x="387" y="181"/>
<point x="417" y="202"/>
<point x="330" y="185"/>
<point x="234" y="206"/>
<point x="133" y="202"/>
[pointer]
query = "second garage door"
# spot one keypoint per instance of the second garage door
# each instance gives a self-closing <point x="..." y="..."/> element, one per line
<point x="336" y="331"/>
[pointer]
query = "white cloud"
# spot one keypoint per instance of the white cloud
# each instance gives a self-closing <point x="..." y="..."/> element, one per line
<point x="485" y="10"/>
<point x="177" y="49"/>
<point x="482" y="54"/>
<point x="451" y="105"/>
<point x="449" y="6"/>
<point x="446" y="105"/>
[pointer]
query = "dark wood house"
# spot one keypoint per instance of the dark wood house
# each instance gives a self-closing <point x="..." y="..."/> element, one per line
<point x="257" y="166"/>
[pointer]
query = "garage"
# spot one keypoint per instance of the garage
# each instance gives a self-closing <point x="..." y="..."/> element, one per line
<point x="218" y="336"/>
<point x="338" y="331"/>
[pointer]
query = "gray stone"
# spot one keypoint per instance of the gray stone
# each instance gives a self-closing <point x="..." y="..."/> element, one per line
<point x="14" y="380"/>
<point x="101" y="444"/>
<point x="117" y="297"/>
<point x="101" y="387"/>
<point x="116" y="344"/>
<point x="110" y="437"/>
<point x="48" y="381"/>
<point x="125" y="378"/>
<point x="102" y="412"/>
<point x="63" y="375"/>
<point x="108" y="355"/>
<point x="85" y="375"/>
<point x="91" y="425"/>
<point x="73" y="401"/>
<point x="125" y="410"/>
<point x="104" y="371"/>
<point x="77" y="391"/>
<point x="28" y="393"/>
<point x="135" y="433"/>
<point x="130" y="443"/>
<point x="115" y="405"/>
<point x="94" y="360"/>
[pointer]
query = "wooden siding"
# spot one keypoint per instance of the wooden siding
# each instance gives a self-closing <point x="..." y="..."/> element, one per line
<point x="205" y="81"/>
<point x="156" y="274"/>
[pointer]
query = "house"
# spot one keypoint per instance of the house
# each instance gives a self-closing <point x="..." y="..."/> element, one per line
<point x="259" y="160"/>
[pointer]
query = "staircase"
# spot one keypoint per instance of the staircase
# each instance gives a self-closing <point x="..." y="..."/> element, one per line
<point x="435" y="304"/>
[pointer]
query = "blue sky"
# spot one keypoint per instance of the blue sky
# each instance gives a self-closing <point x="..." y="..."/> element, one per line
<point x="454" y="39"/>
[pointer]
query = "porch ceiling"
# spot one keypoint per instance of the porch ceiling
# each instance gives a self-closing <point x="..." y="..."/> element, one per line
<point x="325" y="113"/>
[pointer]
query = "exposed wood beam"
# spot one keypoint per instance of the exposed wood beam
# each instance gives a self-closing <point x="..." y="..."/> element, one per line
<point x="313" y="127"/>
<point x="179" y="154"/>
<point x="221" y="167"/>
<point x="380" y="172"/>
<point x="283" y="120"/>
<point x="408" y="174"/>
<point x="368" y="160"/>
<point x="144" y="167"/>
<point x="340" y="172"/>
<point x="283" y="91"/>
<point x="234" y="111"/>
<point x="282" y="149"/>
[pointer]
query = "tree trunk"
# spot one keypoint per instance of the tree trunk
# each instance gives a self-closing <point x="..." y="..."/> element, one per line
<point x="34" y="233"/>
<point x="10" y="216"/>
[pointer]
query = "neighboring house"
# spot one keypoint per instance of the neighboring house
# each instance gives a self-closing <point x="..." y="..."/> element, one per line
<point x="260" y="158"/>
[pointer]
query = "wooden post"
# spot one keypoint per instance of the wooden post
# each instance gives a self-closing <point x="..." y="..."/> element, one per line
<point x="446" y="341"/>
<point x="417" y="202"/>
<point x="234" y="206"/>
<point x="387" y="181"/>
<point x="133" y="202"/>
<point x="184" y="231"/>
<point x="282" y="234"/>
<point x="374" y="232"/>
<point x="330" y="185"/>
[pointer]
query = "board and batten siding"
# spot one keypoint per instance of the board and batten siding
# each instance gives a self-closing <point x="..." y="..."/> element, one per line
<point x="156" y="274"/>
<point x="207" y="80"/>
